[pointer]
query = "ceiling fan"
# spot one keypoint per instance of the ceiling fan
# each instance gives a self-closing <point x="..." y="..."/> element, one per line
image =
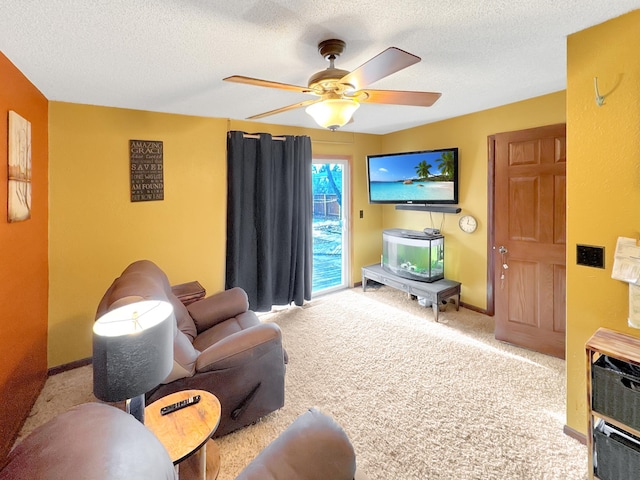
<point x="341" y="92"/>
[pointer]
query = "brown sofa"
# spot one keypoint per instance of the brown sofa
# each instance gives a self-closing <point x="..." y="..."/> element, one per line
<point x="90" y="441"/>
<point x="219" y="346"/>
<point x="96" y="441"/>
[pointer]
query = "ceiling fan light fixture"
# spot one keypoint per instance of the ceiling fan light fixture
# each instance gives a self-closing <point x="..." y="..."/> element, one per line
<point x="333" y="113"/>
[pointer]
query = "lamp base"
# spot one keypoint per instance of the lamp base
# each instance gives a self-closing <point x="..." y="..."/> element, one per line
<point x="135" y="406"/>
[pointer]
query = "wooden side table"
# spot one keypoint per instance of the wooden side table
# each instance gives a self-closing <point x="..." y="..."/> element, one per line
<point x="186" y="433"/>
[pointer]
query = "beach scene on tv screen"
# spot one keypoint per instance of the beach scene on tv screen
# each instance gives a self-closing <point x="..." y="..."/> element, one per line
<point x="417" y="177"/>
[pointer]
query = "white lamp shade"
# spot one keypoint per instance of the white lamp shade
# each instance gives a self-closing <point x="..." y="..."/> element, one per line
<point x="132" y="349"/>
<point x="333" y="113"/>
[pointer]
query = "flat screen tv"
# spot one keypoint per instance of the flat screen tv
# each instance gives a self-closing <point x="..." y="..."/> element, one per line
<point x="421" y="178"/>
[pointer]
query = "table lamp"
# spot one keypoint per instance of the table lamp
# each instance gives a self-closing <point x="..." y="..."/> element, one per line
<point x="132" y="352"/>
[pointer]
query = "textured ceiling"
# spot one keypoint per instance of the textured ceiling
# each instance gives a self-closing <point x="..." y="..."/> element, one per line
<point x="171" y="55"/>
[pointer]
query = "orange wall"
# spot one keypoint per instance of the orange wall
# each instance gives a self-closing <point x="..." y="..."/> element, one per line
<point x="24" y="266"/>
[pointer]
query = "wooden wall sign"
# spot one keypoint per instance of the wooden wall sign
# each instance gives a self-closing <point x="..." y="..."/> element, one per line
<point x="147" y="173"/>
<point x="19" y="188"/>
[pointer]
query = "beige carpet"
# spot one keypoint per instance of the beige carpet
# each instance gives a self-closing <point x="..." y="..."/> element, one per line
<point x="419" y="400"/>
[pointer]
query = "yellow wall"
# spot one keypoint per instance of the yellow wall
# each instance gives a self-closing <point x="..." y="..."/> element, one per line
<point x="95" y="231"/>
<point x="603" y="185"/>
<point x="466" y="254"/>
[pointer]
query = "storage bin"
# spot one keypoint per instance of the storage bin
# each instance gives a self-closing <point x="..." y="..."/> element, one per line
<point x="617" y="453"/>
<point x="616" y="390"/>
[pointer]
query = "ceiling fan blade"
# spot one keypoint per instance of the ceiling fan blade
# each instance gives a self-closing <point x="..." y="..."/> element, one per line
<point x="389" y="61"/>
<point x="284" y="109"/>
<point x="266" y="83"/>
<point x="399" y="97"/>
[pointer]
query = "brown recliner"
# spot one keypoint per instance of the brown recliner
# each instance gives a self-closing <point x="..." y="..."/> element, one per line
<point x="219" y="346"/>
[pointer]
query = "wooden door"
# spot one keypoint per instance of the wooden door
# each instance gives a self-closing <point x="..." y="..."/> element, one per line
<point x="530" y="237"/>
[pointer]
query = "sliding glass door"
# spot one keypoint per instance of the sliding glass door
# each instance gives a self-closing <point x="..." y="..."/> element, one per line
<point x="330" y="224"/>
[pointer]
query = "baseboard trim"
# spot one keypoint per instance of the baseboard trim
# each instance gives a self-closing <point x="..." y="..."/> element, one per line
<point x="576" y="435"/>
<point x="69" y="366"/>
<point x="474" y="308"/>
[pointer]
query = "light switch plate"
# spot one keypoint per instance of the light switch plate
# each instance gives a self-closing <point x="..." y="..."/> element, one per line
<point x="590" y="256"/>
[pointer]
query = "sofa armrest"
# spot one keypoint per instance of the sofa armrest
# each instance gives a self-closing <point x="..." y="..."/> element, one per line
<point x="314" y="447"/>
<point x="239" y="347"/>
<point x="218" y="307"/>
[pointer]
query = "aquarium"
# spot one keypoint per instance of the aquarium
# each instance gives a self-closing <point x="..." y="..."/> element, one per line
<point x="413" y="254"/>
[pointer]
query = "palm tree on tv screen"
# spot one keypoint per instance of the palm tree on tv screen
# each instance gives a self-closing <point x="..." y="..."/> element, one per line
<point x="422" y="170"/>
<point x="445" y="164"/>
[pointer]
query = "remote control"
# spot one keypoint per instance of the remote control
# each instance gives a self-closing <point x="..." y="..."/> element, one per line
<point x="178" y="405"/>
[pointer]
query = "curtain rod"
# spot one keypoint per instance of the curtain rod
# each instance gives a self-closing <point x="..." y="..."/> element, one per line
<point x="248" y="135"/>
<point x="337" y="142"/>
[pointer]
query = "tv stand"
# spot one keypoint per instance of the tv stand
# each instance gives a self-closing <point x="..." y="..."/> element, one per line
<point x="434" y="292"/>
<point x="430" y="208"/>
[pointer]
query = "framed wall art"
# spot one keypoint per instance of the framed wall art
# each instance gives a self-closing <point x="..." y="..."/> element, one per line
<point x="147" y="174"/>
<point x="19" y="201"/>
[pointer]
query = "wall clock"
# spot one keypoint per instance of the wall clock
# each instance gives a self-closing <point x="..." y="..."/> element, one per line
<point x="468" y="223"/>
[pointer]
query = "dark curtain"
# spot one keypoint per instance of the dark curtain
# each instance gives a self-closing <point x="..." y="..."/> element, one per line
<point x="269" y="219"/>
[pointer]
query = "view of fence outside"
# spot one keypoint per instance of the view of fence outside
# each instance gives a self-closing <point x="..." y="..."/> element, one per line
<point x="327" y="226"/>
<point x="326" y="206"/>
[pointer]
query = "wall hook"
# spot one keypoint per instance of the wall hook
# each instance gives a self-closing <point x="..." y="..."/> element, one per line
<point x="599" y="98"/>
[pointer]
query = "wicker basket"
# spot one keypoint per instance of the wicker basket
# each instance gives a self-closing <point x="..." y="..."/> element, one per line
<point x="616" y="390"/>
<point x="617" y="453"/>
